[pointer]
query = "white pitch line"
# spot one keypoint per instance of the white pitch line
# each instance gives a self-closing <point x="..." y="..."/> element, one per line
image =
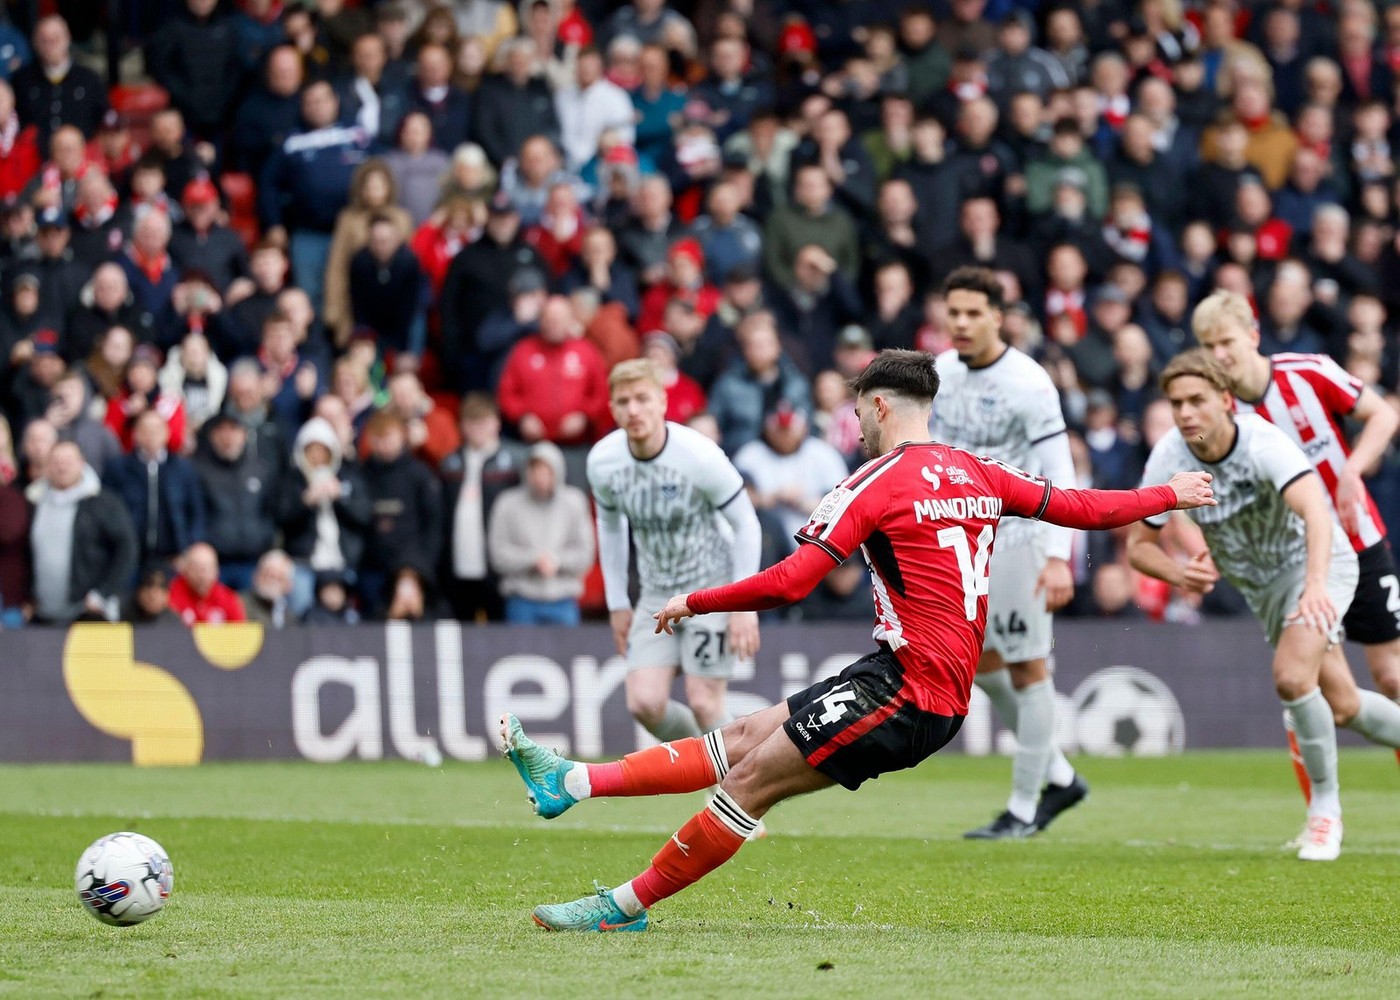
<point x="540" y="826"/>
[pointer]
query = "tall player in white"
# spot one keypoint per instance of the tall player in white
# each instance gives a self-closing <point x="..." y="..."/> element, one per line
<point x="997" y="401"/>
<point x="693" y="525"/>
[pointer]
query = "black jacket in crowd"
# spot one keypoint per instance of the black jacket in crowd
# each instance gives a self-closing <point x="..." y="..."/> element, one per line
<point x="475" y="285"/>
<point x="241" y="503"/>
<point x="387" y="298"/>
<point x="406" y="523"/>
<point x="198" y="61"/>
<point x="104" y="549"/>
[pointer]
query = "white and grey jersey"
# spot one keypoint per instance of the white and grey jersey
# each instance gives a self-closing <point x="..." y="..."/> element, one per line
<point x="1254" y="536"/>
<point x="1000" y="411"/>
<point x="672" y="503"/>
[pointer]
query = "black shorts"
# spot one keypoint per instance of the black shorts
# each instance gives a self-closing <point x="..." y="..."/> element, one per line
<point x="1374" y="615"/>
<point x="862" y="722"/>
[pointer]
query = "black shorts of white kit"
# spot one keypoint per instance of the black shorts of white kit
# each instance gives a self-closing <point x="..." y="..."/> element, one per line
<point x="863" y="722"/>
<point x="1374" y="615"/>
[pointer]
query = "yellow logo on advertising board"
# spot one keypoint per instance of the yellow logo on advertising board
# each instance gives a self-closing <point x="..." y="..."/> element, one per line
<point x="130" y="700"/>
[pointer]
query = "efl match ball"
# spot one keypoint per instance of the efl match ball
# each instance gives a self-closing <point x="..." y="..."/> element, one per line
<point x="124" y="878"/>
<point x="1126" y="711"/>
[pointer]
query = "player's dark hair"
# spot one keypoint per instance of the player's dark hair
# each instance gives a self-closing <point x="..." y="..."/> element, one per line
<point x="975" y="279"/>
<point x="907" y="373"/>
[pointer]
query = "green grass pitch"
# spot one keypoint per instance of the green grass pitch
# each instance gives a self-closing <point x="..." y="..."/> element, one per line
<point x="395" y="880"/>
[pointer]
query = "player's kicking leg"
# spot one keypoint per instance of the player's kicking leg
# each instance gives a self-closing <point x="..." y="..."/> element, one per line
<point x="844" y="730"/>
<point x="554" y="784"/>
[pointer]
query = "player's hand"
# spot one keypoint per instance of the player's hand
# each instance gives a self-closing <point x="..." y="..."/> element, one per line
<point x="1350" y="498"/>
<point x="1315" y="610"/>
<point x="1057" y="583"/>
<point x="1192" y="490"/>
<point x="1199" y="575"/>
<point x="743" y="634"/>
<point x="621" y="622"/>
<point x="675" y="610"/>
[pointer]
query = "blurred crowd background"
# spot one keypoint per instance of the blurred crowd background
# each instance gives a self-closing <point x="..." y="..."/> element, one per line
<point x="307" y="308"/>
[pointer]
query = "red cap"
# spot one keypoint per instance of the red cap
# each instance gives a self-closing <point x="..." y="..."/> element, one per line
<point x="200" y="191"/>
<point x="797" y="37"/>
<point x="621" y="154"/>
<point x="688" y="247"/>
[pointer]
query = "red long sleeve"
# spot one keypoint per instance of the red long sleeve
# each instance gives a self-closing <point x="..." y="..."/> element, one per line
<point x="1099" y="509"/>
<point x="783" y="583"/>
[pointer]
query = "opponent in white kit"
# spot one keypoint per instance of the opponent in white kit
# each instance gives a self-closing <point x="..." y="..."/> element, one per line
<point x="1274" y="535"/>
<point x="996" y="401"/>
<point x="693" y="526"/>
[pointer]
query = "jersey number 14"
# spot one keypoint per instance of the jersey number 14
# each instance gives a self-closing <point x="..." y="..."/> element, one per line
<point x="976" y="577"/>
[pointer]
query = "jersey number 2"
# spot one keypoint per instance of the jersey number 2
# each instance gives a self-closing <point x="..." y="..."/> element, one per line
<point x="973" y="566"/>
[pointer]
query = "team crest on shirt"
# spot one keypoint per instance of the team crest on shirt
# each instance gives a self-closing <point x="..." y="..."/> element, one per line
<point x="1296" y="413"/>
<point x="827" y="508"/>
<point x="670" y="490"/>
<point x="989" y="403"/>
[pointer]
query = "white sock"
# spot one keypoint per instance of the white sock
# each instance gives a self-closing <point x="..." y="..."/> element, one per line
<point x="1316" y="733"/>
<point x="1035" y="732"/>
<point x="678" y="723"/>
<point x="626" y="899"/>
<point x="1378" y="719"/>
<point x="1061" y="772"/>
<point x="997" y="686"/>
<point x="576" y="782"/>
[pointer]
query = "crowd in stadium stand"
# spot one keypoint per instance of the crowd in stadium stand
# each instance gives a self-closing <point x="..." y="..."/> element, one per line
<point x="315" y="323"/>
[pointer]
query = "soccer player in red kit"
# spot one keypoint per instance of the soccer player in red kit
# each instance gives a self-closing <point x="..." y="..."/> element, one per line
<point x="924" y="515"/>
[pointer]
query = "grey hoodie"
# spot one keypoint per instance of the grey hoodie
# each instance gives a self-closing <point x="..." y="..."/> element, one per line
<point x="52" y="535"/>
<point x="522" y="528"/>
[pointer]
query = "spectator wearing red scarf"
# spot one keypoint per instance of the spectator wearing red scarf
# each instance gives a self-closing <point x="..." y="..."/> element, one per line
<point x="152" y="274"/>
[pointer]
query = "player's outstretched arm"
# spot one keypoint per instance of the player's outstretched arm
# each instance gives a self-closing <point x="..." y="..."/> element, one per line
<point x="783" y="583"/>
<point x="1101" y="509"/>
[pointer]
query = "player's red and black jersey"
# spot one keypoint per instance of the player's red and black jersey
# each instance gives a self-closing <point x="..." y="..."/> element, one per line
<point x="925" y="517"/>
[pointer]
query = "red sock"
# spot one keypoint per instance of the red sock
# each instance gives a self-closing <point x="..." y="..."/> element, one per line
<point x="1300" y="769"/>
<point x="686" y="765"/>
<point x="693" y="851"/>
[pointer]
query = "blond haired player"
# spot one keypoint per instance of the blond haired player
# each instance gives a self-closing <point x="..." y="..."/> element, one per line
<point x="693" y="526"/>
<point x="1274" y="536"/>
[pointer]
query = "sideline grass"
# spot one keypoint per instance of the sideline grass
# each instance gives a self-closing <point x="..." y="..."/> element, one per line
<point x="394" y="880"/>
